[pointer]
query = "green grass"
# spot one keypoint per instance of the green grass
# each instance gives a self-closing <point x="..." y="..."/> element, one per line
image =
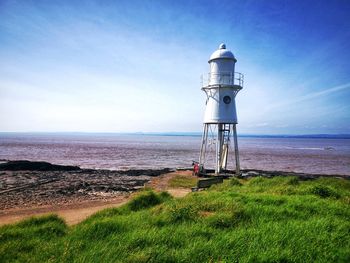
<point x="256" y="220"/>
<point x="184" y="181"/>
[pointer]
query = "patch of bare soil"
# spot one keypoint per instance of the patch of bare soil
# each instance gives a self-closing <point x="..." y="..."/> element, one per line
<point x="161" y="183"/>
<point x="73" y="213"/>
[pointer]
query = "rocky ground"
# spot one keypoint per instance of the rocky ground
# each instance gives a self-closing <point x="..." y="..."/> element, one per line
<point x="27" y="184"/>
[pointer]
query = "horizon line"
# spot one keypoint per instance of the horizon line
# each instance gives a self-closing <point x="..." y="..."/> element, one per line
<point x="179" y="133"/>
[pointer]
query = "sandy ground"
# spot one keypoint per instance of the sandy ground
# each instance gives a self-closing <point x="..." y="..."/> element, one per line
<point x="72" y="214"/>
<point x="77" y="210"/>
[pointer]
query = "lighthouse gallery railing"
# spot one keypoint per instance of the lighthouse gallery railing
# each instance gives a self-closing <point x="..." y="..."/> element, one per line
<point x="223" y="78"/>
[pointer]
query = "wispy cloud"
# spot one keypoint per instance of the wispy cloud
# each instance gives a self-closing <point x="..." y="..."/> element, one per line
<point x="309" y="96"/>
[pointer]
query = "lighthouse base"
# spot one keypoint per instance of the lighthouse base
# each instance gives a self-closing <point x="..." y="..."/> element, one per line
<point x="216" y="150"/>
<point x="208" y="173"/>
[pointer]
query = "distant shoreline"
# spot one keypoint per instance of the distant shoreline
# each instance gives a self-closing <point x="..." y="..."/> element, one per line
<point x="181" y="134"/>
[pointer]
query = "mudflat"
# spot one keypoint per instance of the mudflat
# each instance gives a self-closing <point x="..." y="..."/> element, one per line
<point x="71" y="192"/>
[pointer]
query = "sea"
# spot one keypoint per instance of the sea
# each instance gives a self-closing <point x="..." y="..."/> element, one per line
<point x="321" y="154"/>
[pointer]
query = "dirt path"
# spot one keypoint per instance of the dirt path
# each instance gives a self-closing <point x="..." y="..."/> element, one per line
<point x="72" y="214"/>
<point x="76" y="212"/>
<point x="161" y="183"/>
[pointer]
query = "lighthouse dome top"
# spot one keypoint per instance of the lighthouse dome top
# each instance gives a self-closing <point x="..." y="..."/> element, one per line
<point x="222" y="53"/>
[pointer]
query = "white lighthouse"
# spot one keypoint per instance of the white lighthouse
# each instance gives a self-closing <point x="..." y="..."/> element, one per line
<point x="220" y="119"/>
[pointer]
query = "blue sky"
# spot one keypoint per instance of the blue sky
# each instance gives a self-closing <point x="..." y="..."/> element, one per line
<point x="131" y="66"/>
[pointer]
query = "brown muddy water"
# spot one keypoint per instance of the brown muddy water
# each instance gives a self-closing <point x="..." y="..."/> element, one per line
<point x="137" y="151"/>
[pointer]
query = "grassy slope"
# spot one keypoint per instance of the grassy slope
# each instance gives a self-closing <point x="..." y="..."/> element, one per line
<point x="255" y="220"/>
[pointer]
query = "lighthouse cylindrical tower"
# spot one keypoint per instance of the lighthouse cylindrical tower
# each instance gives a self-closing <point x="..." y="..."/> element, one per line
<point x="220" y="119"/>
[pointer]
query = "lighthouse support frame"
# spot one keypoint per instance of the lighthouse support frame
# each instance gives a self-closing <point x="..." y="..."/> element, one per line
<point x="221" y="138"/>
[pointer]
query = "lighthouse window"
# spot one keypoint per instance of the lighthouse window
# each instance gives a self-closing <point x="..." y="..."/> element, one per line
<point x="227" y="99"/>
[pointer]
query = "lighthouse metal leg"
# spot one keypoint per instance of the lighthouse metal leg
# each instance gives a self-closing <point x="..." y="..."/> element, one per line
<point x="236" y="150"/>
<point x="204" y="145"/>
<point x="227" y="143"/>
<point x="218" y="150"/>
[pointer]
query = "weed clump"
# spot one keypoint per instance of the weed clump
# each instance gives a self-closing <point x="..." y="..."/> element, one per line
<point x="287" y="190"/>
<point x="235" y="182"/>
<point x="257" y="181"/>
<point x="179" y="213"/>
<point x="145" y="200"/>
<point x="165" y="196"/>
<point x="102" y="229"/>
<point x="229" y="219"/>
<point x="293" y="181"/>
<point x="40" y="221"/>
<point x="324" y="191"/>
